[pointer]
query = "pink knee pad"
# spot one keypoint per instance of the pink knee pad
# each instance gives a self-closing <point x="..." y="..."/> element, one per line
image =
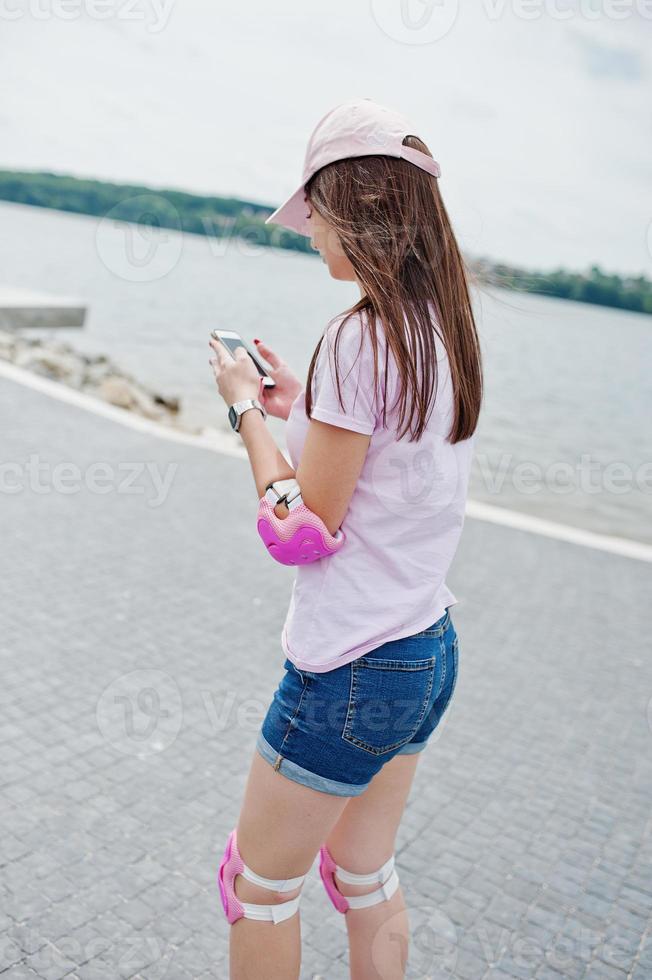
<point x="232" y="865"/>
<point x="327" y="869"/>
<point x="386" y="877"/>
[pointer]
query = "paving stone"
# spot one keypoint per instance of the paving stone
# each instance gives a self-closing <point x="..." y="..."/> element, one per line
<point x="546" y="972"/>
<point x="20" y="972"/>
<point x="506" y="910"/>
<point x="135" y="912"/>
<point x="468" y="966"/>
<point x="10" y="952"/>
<point x="602" y="971"/>
<point x="96" y="969"/>
<point x="51" y="963"/>
<point x="529" y="819"/>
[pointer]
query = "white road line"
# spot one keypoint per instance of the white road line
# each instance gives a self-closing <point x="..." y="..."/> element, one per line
<point x="562" y="532"/>
<point x="226" y="444"/>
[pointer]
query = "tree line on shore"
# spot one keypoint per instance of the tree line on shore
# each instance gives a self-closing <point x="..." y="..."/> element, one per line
<point x="228" y="217"/>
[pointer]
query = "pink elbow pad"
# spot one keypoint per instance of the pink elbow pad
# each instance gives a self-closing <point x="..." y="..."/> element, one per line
<point x="299" y="538"/>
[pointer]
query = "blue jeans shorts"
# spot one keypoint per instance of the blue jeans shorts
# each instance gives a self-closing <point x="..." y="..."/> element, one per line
<point x="334" y="730"/>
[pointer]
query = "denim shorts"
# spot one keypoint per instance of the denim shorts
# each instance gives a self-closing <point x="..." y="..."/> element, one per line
<point x="334" y="730"/>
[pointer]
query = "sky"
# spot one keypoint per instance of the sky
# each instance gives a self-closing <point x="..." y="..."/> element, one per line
<point x="538" y="111"/>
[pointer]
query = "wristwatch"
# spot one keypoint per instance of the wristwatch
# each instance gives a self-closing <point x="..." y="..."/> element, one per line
<point x="237" y="410"/>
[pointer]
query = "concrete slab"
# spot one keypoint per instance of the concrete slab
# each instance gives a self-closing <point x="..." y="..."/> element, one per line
<point x="25" y="308"/>
<point x="139" y="649"/>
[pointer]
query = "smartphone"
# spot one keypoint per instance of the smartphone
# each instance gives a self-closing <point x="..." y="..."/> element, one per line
<point x="231" y="340"/>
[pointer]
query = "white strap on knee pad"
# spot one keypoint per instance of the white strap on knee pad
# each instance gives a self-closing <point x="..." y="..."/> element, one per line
<point x="272" y="913"/>
<point x="274" y="884"/>
<point x="231" y="866"/>
<point x="387" y="877"/>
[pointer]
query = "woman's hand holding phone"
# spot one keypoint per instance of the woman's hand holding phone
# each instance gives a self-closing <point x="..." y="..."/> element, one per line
<point x="278" y="400"/>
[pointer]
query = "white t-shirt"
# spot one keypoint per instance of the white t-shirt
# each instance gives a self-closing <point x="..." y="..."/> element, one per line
<point x="404" y="519"/>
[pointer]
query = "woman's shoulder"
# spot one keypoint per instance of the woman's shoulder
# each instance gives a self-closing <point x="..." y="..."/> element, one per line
<point x="351" y="334"/>
<point x="358" y="339"/>
<point x="350" y="325"/>
<point x="359" y="326"/>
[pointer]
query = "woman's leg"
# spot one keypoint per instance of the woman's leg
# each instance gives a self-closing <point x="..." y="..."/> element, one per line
<point x="361" y="841"/>
<point x="281" y="828"/>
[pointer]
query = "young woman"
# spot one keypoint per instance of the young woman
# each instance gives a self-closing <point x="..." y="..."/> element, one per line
<point x="380" y="441"/>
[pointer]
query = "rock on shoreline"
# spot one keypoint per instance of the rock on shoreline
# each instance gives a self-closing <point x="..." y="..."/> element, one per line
<point x="94" y="374"/>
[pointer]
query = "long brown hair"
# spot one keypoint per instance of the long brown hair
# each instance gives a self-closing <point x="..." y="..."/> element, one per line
<point x="394" y="229"/>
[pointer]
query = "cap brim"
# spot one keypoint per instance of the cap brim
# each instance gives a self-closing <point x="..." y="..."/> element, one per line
<point x="292" y="214"/>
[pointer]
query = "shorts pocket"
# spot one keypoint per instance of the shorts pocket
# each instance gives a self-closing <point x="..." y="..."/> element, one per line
<point x="387" y="702"/>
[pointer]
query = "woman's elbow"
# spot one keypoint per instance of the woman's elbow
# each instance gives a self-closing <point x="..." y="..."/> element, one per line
<point x="331" y="516"/>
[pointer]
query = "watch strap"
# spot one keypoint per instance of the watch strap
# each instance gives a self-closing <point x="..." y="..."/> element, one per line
<point x="239" y="408"/>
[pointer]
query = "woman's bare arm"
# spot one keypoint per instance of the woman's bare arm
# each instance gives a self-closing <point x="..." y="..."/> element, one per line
<point x="267" y="461"/>
<point x="331" y="459"/>
<point x="330" y="465"/>
<point x="329" y="468"/>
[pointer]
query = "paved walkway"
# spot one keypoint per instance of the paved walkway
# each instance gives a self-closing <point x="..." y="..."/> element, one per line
<point x="139" y="648"/>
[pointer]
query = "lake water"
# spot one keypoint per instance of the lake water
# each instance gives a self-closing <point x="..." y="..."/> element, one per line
<point x="565" y="431"/>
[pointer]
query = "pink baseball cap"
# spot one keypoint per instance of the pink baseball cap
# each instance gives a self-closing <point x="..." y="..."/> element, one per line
<point x="359" y="128"/>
